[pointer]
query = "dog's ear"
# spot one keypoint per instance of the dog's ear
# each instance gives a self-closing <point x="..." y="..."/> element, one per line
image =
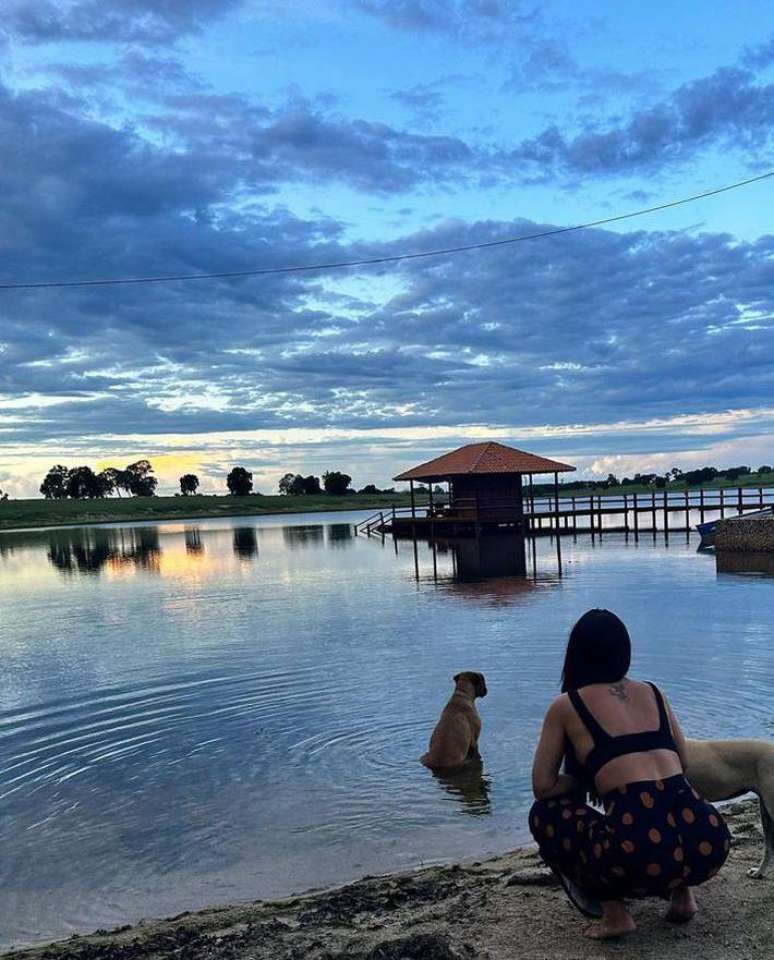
<point x="456" y="677"/>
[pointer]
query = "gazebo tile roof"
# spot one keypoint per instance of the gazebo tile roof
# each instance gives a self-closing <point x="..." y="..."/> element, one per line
<point x="483" y="458"/>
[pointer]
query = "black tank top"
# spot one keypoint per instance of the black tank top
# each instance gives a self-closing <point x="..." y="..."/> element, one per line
<point x="607" y="747"/>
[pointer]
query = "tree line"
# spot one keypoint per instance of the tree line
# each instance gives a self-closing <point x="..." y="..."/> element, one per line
<point x="82" y="483"/>
<point x="688" y="478"/>
<point x="138" y="480"/>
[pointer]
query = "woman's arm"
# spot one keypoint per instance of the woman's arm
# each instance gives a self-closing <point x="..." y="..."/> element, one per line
<point x="677" y="734"/>
<point x="547" y="782"/>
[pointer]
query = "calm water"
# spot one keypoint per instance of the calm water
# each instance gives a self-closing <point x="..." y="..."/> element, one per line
<point x="234" y="709"/>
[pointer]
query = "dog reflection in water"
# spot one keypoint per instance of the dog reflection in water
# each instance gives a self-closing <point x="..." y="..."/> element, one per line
<point x="468" y="785"/>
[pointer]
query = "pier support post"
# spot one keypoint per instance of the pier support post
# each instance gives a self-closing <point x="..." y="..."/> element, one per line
<point x="666" y="514"/>
<point x="687" y="516"/>
<point x="626" y="515"/>
<point x="558" y="531"/>
<point x="653" y="512"/>
<point x="701" y="505"/>
<point x="722" y="503"/>
<point x="636" y="521"/>
<point x="739" y="500"/>
<point x="591" y="518"/>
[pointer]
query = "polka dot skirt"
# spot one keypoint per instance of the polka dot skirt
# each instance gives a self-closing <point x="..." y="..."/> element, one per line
<point x="654" y="837"/>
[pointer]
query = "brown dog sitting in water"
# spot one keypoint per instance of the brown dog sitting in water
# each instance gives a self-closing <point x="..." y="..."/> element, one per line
<point x="455" y="738"/>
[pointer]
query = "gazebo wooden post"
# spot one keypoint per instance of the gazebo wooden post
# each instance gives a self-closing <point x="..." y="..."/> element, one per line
<point x="432" y="513"/>
<point x="413" y="505"/>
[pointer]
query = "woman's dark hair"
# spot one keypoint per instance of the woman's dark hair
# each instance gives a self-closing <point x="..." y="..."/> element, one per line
<point x="599" y="651"/>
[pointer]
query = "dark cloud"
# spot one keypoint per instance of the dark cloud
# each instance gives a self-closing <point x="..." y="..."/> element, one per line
<point x="145" y="22"/>
<point x="424" y="100"/>
<point x="761" y="55"/>
<point x="728" y="108"/>
<point x="470" y="20"/>
<point x="135" y="74"/>
<point x="302" y="141"/>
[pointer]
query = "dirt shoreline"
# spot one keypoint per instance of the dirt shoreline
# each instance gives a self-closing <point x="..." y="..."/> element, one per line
<point x="505" y="907"/>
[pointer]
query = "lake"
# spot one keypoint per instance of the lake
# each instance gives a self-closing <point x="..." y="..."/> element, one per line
<point x="234" y="709"/>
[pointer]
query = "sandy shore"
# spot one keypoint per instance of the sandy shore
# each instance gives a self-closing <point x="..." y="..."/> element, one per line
<point x="495" y="909"/>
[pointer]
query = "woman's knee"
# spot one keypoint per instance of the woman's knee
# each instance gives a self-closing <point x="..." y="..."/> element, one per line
<point x="542" y="819"/>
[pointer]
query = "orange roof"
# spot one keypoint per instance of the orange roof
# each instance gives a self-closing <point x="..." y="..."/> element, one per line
<point x="488" y="457"/>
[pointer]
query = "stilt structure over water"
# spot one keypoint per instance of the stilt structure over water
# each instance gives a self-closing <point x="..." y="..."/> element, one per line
<point x="486" y="491"/>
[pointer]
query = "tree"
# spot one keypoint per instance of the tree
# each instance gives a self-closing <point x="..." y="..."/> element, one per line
<point x="84" y="484"/>
<point x="370" y="488"/>
<point x="3" y="496"/>
<point x="312" y="485"/>
<point x="189" y="483"/>
<point x="239" y="482"/>
<point x="54" y="486"/>
<point x="113" y="480"/>
<point x="612" y="480"/>
<point x="765" y="469"/>
<point x="733" y="473"/>
<point x="336" y="482"/>
<point x="292" y="485"/>
<point x="139" y="479"/>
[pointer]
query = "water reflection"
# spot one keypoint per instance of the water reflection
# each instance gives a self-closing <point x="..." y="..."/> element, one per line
<point x="340" y="535"/>
<point x="478" y="558"/>
<point x="193" y="541"/>
<point x="303" y="535"/>
<point x="90" y="550"/>
<point x="469" y="786"/>
<point x="245" y="543"/>
<point x="745" y="563"/>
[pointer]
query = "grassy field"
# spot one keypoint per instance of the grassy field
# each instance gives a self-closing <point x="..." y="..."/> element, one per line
<point x="48" y="513"/>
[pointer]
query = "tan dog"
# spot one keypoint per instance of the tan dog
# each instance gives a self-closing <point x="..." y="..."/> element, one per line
<point x="455" y="738"/>
<point x="723" y="769"/>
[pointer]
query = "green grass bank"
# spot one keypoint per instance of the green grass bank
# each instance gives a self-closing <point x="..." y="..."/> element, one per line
<point x="38" y="512"/>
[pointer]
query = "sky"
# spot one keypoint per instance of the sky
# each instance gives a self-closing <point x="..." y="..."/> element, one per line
<point x="153" y="137"/>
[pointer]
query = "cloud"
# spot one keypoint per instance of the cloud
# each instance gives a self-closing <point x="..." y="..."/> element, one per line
<point x="471" y="20"/>
<point x="424" y="100"/>
<point x="728" y="108"/>
<point x="134" y="73"/>
<point x="760" y="56"/>
<point x="144" y="22"/>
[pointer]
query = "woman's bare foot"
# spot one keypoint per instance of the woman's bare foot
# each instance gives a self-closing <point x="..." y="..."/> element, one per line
<point x="683" y="906"/>
<point x="616" y="922"/>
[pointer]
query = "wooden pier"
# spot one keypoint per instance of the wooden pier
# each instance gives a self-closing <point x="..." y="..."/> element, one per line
<point x="636" y="514"/>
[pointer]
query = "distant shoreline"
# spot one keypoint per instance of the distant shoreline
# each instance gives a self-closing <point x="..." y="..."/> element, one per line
<point x="26" y="515"/>
<point x="67" y="513"/>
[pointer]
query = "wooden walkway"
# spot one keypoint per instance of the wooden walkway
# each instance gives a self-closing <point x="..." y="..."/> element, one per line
<point x="665" y="512"/>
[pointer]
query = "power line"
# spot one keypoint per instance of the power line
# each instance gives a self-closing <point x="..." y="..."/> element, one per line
<point x="375" y="261"/>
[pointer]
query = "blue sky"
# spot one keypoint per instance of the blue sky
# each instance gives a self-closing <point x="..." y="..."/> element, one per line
<point x="157" y="136"/>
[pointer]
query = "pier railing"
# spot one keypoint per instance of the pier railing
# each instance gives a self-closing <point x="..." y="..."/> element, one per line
<point x="586" y="513"/>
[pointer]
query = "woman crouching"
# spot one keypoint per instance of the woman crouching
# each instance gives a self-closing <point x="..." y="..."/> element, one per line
<point x="619" y="740"/>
